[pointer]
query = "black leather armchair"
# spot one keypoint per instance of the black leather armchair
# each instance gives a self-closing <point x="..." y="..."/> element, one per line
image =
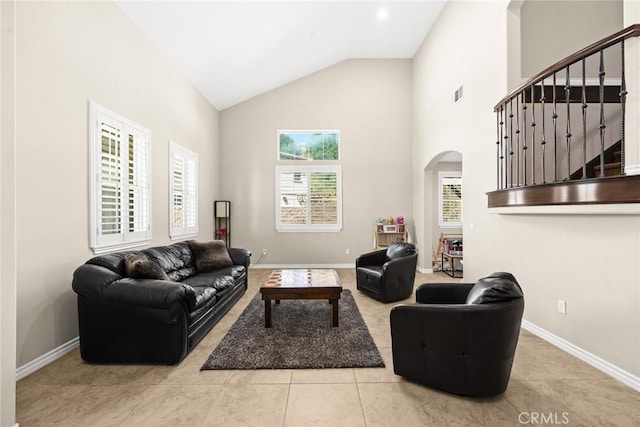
<point x="459" y="337"/>
<point x="387" y="274"/>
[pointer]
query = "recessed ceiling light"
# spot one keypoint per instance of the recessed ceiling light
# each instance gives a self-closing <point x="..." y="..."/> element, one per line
<point x="383" y="13"/>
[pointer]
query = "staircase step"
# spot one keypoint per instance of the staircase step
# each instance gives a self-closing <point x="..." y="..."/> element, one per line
<point x="617" y="156"/>
<point x="610" y="169"/>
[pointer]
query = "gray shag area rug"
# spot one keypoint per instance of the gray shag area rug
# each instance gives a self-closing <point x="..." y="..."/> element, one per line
<point x="301" y="338"/>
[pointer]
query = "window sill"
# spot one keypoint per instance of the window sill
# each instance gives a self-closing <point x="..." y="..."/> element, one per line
<point x="99" y="250"/>
<point x="310" y="230"/>
<point x="182" y="236"/>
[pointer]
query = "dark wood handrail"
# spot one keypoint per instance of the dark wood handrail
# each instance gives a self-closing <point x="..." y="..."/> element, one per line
<point x="632" y="31"/>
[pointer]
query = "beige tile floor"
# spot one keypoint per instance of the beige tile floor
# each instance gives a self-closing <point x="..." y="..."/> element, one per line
<point x="547" y="386"/>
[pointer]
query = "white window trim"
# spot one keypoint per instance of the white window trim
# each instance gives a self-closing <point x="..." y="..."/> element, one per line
<point x="309" y="168"/>
<point x="281" y="131"/>
<point x="125" y="240"/>
<point x="184" y="231"/>
<point x="441" y="176"/>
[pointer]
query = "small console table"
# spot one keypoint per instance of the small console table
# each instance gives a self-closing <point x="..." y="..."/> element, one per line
<point x="451" y="258"/>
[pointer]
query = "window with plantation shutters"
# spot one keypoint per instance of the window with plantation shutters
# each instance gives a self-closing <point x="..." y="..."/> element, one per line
<point x="450" y="199"/>
<point x="308" y="198"/>
<point x="183" y="197"/>
<point x="120" y="187"/>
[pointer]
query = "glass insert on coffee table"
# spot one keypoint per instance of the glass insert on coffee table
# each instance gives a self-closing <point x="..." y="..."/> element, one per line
<point x="301" y="284"/>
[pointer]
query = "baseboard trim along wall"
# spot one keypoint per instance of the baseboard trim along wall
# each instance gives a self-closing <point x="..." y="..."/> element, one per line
<point x="279" y="266"/>
<point x="632" y="170"/>
<point x="353" y="266"/>
<point x="45" y="359"/>
<point x="608" y="368"/>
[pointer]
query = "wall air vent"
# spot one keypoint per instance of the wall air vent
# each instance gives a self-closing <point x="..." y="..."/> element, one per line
<point x="457" y="95"/>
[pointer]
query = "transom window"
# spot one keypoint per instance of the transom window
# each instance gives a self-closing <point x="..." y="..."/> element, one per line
<point x="120" y="190"/>
<point x="308" y="145"/>
<point x="450" y="199"/>
<point x="309" y="198"/>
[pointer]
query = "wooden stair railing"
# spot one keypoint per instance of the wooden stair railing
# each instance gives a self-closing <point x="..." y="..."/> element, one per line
<point x="542" y="146"/>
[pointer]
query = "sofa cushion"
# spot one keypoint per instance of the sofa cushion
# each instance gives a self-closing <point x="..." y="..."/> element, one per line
<point x="211" y="255"/>
<point x="113" y="262"/>
<point x="205" y="295"/>
<point x="138" y="266"/>
<point x="212" y="279"/>
<point x="176" y="260"/>
<point x="494" y="289"/>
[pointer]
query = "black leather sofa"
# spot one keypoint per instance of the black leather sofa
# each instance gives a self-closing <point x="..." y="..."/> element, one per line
<point x="127" y="317"/>
<point x="387" y="274"/>
<point x="459" y="337"/>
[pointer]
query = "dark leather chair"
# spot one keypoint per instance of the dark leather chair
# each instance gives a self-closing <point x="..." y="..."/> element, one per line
<point x="388" y="274"/>
<point x="459" y="337"/>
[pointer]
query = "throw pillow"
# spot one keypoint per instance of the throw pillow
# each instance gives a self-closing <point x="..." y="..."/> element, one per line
<point x="493" y="289"/>
<point x="210" y="256"/>
<point x="400" y="250"/>
<point x="138" y="266"/>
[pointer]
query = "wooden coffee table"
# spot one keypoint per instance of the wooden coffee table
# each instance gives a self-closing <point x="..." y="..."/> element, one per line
<point x="301" y="284"/>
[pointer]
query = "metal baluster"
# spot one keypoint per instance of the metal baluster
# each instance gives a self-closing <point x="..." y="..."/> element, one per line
<point x="602" y="125"/>
<point x="567" y="94"/>
<point x="543" y="142"/>
<point x="501" y="148"/>
<point x="518" y="140"/>
<point x="524" y="137"/>
<point x="555" y="132"/>
<point x="498" y="150"/>
<point x="623" y="104"/>
<point x="511" y="143"/>
<point x="533" y="138"/>
<point x="584" y="119"/>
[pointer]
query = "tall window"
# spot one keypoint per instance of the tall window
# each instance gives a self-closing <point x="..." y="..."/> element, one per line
<point x="309" y="198"/>
<point x="450" y="199"/>
<point x="120" y="187"/>
<point x="183" y="176"/>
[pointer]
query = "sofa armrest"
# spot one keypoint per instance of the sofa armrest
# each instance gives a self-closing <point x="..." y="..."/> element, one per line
<point x="100" y="284"/>
<point x="240" y="256"/>
<point x="371" y="258"/>
<point x="443" y="293"/>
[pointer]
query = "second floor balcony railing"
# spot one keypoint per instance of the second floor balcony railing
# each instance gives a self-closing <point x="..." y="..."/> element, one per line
<point x="560" y="136"/>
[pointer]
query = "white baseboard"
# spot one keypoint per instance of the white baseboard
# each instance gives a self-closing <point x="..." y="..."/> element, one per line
<point x="632" y="169"/>
<point x="46" y="358"/>
<point x="278" y="266"/>
<point x="608" y="368"/>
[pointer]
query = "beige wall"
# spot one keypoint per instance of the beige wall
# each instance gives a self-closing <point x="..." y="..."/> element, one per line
<point x="369" y="101"/>
<point x="569" y="257"/>
<point x="7" y="218"/>
<point x="69" y="53"/>
<point x="551" y="30"/>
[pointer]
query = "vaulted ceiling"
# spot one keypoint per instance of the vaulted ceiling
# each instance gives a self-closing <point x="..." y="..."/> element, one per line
<point x="234" y="50"/>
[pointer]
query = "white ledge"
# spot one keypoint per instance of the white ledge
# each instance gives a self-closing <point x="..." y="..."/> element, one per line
<point x="602" y="209"/>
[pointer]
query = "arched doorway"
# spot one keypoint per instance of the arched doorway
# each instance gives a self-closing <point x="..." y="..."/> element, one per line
<point x="441" y="174"/>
